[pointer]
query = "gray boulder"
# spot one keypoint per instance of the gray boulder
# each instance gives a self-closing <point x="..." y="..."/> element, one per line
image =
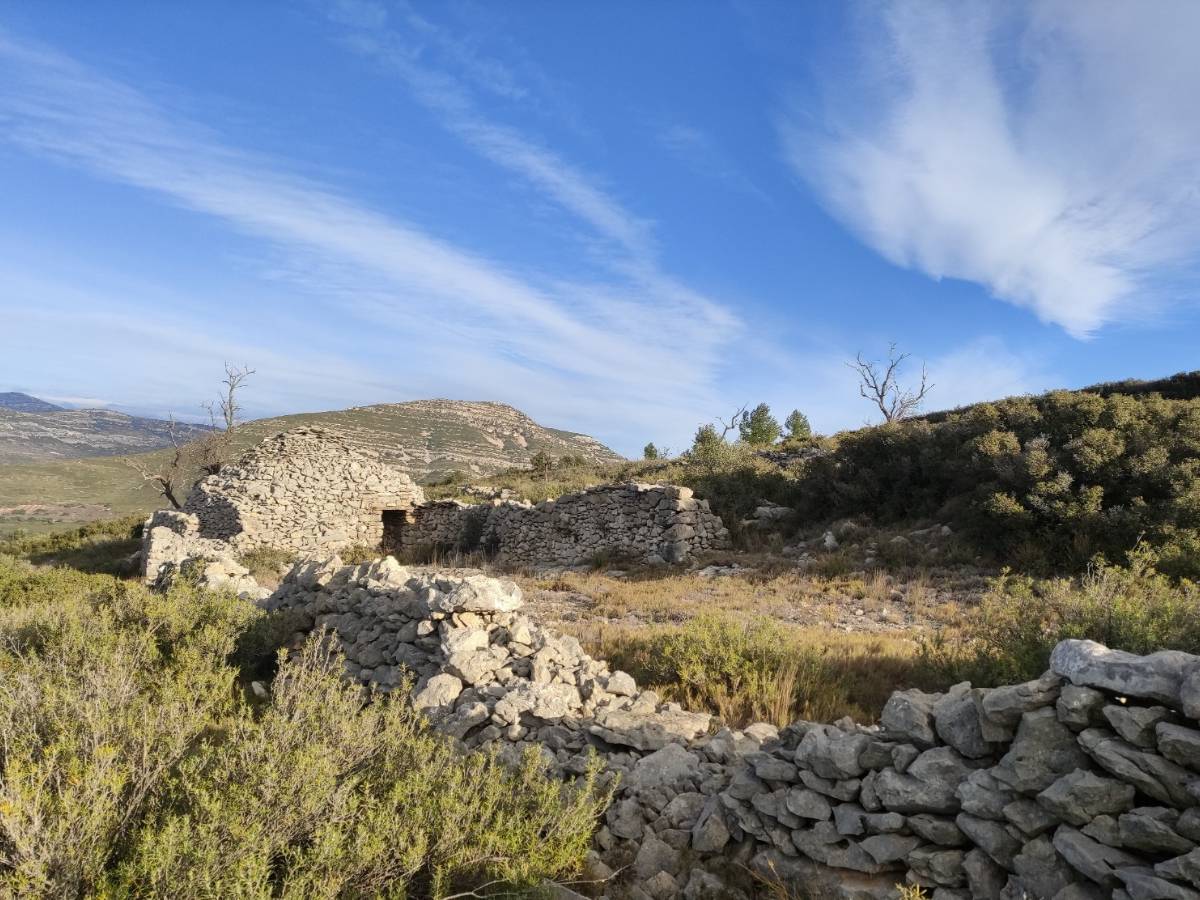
<point x="958" y="721"/>
<point x="1093" y="860"/>
<point x="908" y="716"/>
<point x="1148" y="772"/>
<point x="1152" y="829"/>
<point x="928" y="786"/>
<point x="1158" y="676"/>
<point x="1080" y="796"/>
<point x="1179" y="744"/>
<point x="1042" y="871"/>
<point x="1080" y="707"/>
<point x="1136" y="724"/>
<point x="1043" y="750"/>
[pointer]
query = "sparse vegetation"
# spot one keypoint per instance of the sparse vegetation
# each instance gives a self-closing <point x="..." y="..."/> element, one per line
<point x="101" y="547"/>
<point x="753" y="669"/>
<point x="1008" y="638"/>
<point x="267" y="564"/>
<point x="135" y="765"/>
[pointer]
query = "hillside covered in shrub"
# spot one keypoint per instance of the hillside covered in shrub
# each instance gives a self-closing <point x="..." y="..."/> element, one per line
<point x="1041" y="483"/>
<point x="1045" y="482"/>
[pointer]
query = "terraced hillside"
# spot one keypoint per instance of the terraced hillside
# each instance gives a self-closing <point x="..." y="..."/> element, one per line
<point x="427" y="438"/>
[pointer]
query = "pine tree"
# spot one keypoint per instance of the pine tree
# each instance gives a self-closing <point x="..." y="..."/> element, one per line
<point x="758" y="427"/>
<point x="797" y="425"/>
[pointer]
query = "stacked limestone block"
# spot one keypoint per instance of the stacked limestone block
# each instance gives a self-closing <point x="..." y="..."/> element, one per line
<point x="1082" y="784"/>
<point x="446" y="525"/>
<point x="651" y="523"/>
<point x="171" y="545"/>
<point x="307" y="490"/>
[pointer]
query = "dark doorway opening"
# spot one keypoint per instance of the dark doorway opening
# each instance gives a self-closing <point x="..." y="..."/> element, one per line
<point x="394" y="521"/>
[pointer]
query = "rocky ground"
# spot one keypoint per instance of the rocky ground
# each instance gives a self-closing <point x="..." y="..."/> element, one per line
<point x="866" y="582"/>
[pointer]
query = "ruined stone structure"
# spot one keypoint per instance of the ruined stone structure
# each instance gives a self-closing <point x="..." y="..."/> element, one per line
<point x="311" y="492"/>
<point x="642" y="522"/>
<point x="306" y="491"/>
<point x="1082" y="784"/>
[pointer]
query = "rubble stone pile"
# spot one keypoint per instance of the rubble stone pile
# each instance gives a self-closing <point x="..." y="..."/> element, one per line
<point x="652" y="523"/>
<point x="1082" y="784"/>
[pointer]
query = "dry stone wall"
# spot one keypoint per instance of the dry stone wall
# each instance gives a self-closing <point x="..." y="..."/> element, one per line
<point x="646" y="522"/>
<point x="307" y="491"/>
<point x="1081" y="784"/>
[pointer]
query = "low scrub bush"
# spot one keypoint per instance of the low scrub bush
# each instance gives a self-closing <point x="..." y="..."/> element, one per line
<point x="1048" y="481"/>
<point x="100" y="547"/>
<point x="1010" y="635"/>
<point x="135" y="765"/>
<point x="755" y="669"/>
<point x="267" y="563"/>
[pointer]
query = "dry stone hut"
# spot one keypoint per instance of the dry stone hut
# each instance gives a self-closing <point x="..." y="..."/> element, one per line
<point x="309" y="491"/>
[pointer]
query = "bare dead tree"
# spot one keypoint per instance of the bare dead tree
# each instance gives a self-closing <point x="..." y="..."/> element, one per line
<point x="880" y="385"/>
<point x="228" y="404"/>
<point x="189" y="461"/>
<point x="734" y="421"/>
<point x="211" y="451"/>
<point x="167" y="475"/>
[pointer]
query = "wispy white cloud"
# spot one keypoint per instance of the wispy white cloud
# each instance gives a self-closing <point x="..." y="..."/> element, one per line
<point x="1049" y="152"/>
<point x="701" y="152"/>
<point x="635" y="336"/>
<point x="446" y="72"/>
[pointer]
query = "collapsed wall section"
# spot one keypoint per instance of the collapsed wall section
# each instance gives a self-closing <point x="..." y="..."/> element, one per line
<point x="652" y="523"/>
<point x="1081" y="784"/>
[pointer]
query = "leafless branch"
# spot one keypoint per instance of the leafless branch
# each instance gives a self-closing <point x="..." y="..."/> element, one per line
<point x="167" y="475"/>
<point x="880" y="385"/>
<point x="733" y="422"/>
<point x="175" y="473"/>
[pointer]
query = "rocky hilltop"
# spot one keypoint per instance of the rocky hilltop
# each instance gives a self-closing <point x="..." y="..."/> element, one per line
<point x="25" y="403"/>
<point x="427" y="438"/>
<point x="68" y="483"/>
<point x="39" y="435"/>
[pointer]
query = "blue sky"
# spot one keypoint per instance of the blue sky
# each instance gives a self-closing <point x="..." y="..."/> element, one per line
<point x="622" y="218"/>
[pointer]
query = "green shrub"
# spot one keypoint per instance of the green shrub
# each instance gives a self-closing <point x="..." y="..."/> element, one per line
<point x="1009" y="637"/>
<point x="756" y="669"/>
<point x="266" y="563"/>
<point x="100" y="547"/>
<point x="1054" y="479"/>
<point x="134" y="765"/>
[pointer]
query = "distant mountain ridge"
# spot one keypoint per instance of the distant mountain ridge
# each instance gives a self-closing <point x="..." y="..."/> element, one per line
<point x="19" y="402"/>
<point x="56" y="433"/>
